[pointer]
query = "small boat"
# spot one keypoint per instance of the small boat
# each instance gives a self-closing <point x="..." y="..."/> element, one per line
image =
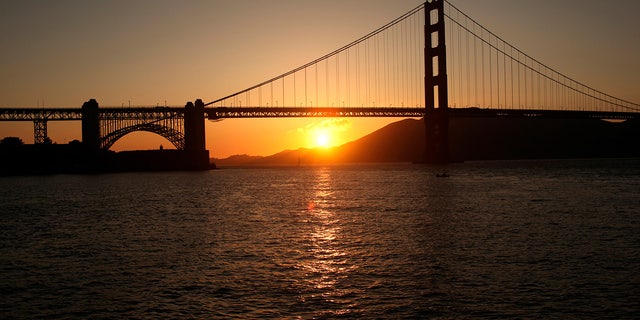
<point x="442" y="175"/>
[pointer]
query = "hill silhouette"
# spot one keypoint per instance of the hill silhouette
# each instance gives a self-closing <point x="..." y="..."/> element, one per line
<point x="472" y="139"/>
<point x="528" y="138"/>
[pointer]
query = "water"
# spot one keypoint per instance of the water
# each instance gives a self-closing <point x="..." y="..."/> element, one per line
<point x="513" y="239"/>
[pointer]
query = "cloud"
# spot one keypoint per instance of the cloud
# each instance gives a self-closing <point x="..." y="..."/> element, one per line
<point x="334" y="125"/>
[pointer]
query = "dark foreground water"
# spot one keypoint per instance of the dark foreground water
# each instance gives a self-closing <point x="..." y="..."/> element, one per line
<point x="525" y="239"/>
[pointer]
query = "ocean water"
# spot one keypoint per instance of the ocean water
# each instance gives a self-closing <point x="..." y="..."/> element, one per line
<point x="502" y="239"/>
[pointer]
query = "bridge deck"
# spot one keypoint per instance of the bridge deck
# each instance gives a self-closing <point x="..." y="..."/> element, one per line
<point x="401" y="112"/>
<point x="58" y="114"/>
<point x="30" y="114"/>
<point x="294" y="112"/>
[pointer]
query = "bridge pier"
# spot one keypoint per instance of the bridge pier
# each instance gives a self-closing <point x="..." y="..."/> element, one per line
<point x="91" y="125"/>
<point x="437" y="136"/>
<point x="194" y="134"/>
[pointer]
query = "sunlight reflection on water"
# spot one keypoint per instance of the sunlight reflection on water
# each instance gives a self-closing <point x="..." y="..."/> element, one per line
<point x="328" y="262"/>
<point x="554" y="239"/>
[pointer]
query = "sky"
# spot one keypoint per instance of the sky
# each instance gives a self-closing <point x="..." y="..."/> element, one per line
<point x="161" y="52"/>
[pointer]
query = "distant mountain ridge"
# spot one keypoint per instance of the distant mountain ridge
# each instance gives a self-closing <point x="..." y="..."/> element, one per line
<point x="471" y="139"/>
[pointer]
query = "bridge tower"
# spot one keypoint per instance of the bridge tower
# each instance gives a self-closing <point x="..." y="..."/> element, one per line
<point x="91" y="125"/>
<point x="194" y="135"/>
<point x="436" y="118"/>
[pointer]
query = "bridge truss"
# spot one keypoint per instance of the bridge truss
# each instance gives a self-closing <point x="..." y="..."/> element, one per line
<point x="115" y="123"/>
<point x="40" y="117"/>
<point x="167" y="122"/>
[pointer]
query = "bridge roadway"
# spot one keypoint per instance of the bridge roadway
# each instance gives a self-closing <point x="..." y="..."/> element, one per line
<point x="217" y="113"/>
<point x="58" y="114"/>
<point x="402" y="112"/>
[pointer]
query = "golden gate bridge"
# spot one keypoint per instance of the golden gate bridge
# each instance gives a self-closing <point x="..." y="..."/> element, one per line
<point x="433" y="62"/>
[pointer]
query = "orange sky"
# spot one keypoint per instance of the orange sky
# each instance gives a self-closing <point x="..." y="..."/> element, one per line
<point x="152" y="52"/>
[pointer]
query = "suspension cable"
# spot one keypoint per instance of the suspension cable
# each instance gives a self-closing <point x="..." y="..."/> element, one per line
<point x="619" y="103"/>
<point x="326" y="56"/>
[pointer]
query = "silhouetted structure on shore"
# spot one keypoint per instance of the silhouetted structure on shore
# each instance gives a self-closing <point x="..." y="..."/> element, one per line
<point x="77" y="158"/>
<point x="101" y="128"/>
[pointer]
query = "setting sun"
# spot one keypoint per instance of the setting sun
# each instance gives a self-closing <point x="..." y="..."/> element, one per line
<point x="323" y="140"/>
<point x="326" y="133"/>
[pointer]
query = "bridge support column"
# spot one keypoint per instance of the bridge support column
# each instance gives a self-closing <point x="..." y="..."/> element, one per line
<point x="91" y="125"/>
<point x="194" y="135"/>
<point x="436" y="118"/>
<point x="40" y="131"/>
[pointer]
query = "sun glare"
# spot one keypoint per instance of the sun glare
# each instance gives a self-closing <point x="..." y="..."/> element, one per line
<point x="322" y="140"/>
<point x="325" y="134"/>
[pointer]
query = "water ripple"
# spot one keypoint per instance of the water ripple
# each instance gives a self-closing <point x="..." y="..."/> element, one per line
<point x="555" y="239"/>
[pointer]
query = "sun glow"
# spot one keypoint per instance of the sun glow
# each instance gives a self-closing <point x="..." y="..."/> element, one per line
<point x="325" y="134"/>
<point x="323" y="139"/>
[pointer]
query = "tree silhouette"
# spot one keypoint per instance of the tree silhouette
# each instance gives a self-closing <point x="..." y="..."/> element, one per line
<point x="11" y="141"/>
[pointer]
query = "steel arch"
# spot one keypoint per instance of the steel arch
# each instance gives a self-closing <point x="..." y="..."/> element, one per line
<point x="174" y="136"/>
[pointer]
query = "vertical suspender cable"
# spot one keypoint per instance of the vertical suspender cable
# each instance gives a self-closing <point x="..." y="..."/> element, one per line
<point x="378" y="73"/>
<point x="511" y="69"/>
<point x="368" y="72"/>
<point x="526" y="96"/>
<point x="519" y="64"/>
<point x="357" y="102"/>
<point x="490" y="74"/>
<point x="337" y="102"/>
<point x="475" y="65"/>
<point x="498" y="73"/>
<point x="460" y="79"/>
<point x="468" y="69"/>
<point x="504" y="70"/>
<point x="533" y="90"/>
<point x="451" y="65"/>
<point x="484" y="92"/>
<point x="386" y="62"/>
<point x="394" y="67"/>
<point x="326" y="78"/>
<point x="348" y="78"/>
